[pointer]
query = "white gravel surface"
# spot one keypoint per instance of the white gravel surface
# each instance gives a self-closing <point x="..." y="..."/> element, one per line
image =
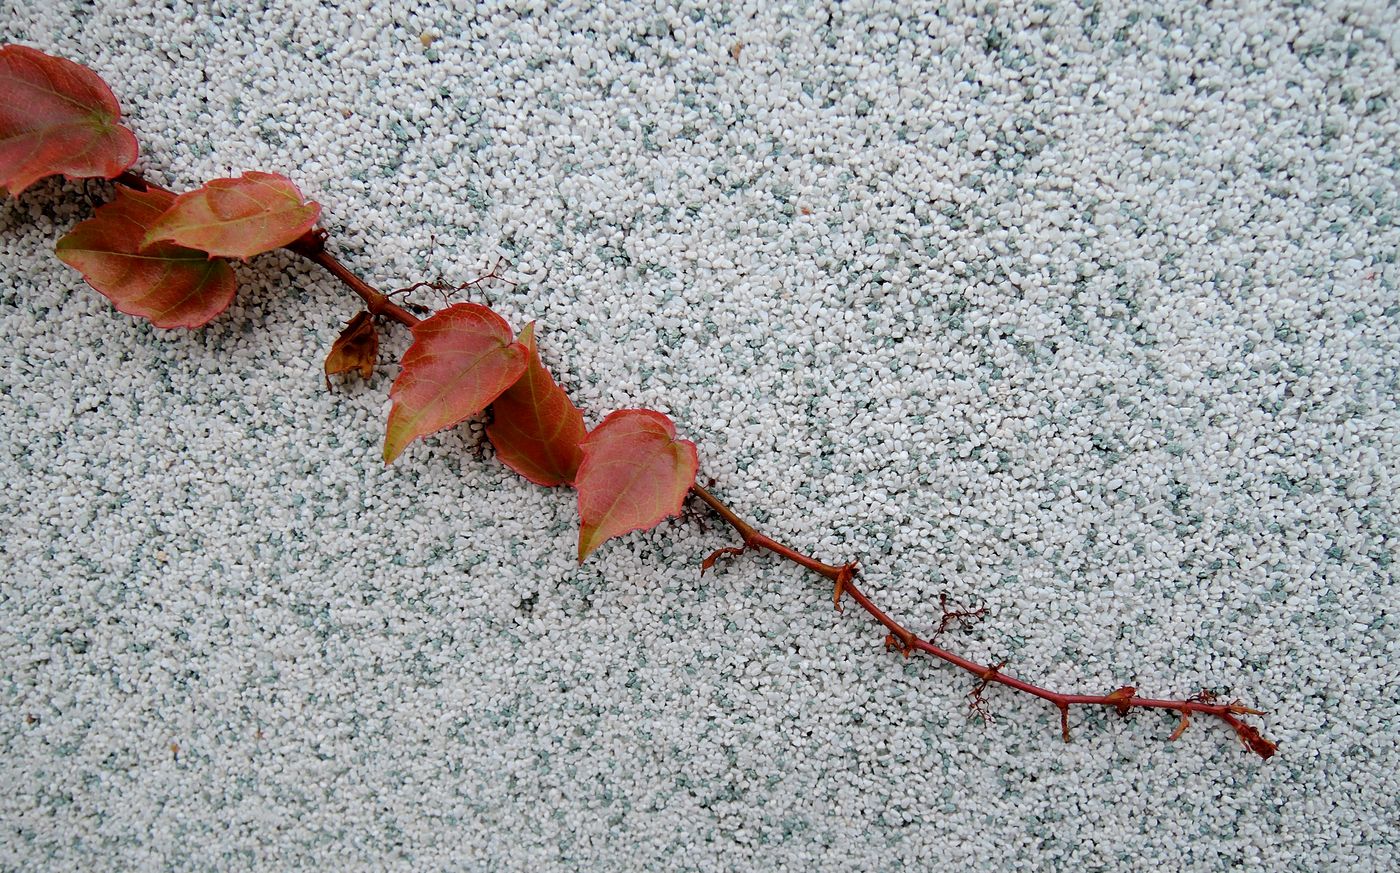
<point x="1085" y="313"/>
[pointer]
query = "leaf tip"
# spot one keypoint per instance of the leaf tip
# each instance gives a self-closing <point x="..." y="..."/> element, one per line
<point x="394" y="443"/>
<point x="587" y="544"/>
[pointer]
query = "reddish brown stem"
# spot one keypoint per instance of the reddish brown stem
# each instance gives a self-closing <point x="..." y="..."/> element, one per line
<point x="311" y="245"/>
<point x="843" y="576"/>
<point x="376" y="302"/>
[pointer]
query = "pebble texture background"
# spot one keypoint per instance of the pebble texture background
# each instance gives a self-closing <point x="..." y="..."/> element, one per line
<point x="1087" y="313"/>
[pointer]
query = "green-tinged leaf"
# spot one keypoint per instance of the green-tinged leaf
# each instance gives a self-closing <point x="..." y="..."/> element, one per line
<point x="57" y="117"/>
<point x="171" y="285"/>
<point x="461" y="359"/>
<point x="634" y="473"/>
<point x="238" y="218"/>
<point x="534" y="426"/>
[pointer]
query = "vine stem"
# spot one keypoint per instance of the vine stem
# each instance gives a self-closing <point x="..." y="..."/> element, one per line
<point x="311" y="246"/>
<point x="377" y="302"/>
<point x="1124" y="699"/>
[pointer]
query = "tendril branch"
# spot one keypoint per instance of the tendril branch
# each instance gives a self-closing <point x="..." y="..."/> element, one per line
<point x="1124" y="699"/>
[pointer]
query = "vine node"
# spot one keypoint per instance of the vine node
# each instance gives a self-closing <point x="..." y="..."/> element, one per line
<point x="977" y="699"/>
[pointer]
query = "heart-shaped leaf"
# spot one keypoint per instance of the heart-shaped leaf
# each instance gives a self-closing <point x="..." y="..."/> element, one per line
<point x="534" y="426"/>
<point x="57" y="117"/>
<point x="238" y="218"/>
<point x="461" y="359"/>
<point x="357" y="348"/>
<point x="634" y="473"/>
<point x="171" y="285"/>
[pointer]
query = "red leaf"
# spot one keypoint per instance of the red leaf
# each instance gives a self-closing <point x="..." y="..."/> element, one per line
<point x="171" y="285"/>
<point x="57" y="117"/>
<point x="634" y="473"/>
<point x="535" y="428"/>
<point x="238" y="218"/>
<point x="461" y="359"/>
<point x="357" y="348"/>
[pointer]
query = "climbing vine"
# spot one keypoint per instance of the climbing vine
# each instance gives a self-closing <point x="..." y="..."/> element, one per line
<point x="169" y="258"/>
